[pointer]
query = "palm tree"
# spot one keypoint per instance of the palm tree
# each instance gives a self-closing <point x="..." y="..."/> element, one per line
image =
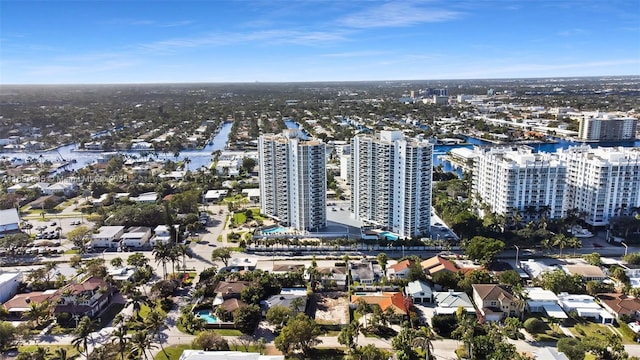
<point x="136" y="300"/>
<point x="119" y="337"/>
<point x="83" y="332"/>
<point x="575" y="243"/>
<point x="39" y="312"/>
<point x="40" y="353"/>
<point x="161" y="252"/>
<point x="185" y="251"/>
<point x="141" y="342"/>
<point x="60" y="354"/>
<point x="561" y="241"/>
<point x="423" y="340"/>
<point x="547" y="245"/>
<point x="155" y="322"/>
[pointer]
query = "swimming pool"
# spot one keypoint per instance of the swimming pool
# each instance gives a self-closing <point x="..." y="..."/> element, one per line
<point x="207" y="316"/>
<point x="274" y="230"/>
<point x="389" y="236"/>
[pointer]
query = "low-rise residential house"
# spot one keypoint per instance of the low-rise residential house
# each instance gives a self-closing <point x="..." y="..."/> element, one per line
<point x="535" y="268"/>
<point x="437" y="264"/>
<point x="66" y="188"/>
<point x="588" y="272"/>
<point x="145" y="198"/>
<point x="229" y="290"/>
<point x="585" y="306"/>
<point x="286" y="268"/>
<point x="548" y="353"/>
<point x="448" y="302"/>
<point x="161" y="234"/>
<point x="88" y="298"/>
<point x="123" y="274"/>
<point x="231" y="305"/>
<point x="9" y="285"/>
<point x="9" y="221"/>
<point x="393" y="300"/>
<point x="252" y="194"/>
<point x="107" y="237"/>
<point x="494" y="302"/>
<point x="214" y="196"/>
<point x="17" y="187"/>
<point x="334" y="276"/>
<point x="242" y="264"/>
<point x="287" y="298"/>
<point x="399" y="270"/>
<point x="20" y="304"/>
<point x="226" y="355"/>
<point x="419" y="291"/>
<point x="544" y="301"/>
<point x="136" y="237"/>
<point x="365" y="272"/>
<point x="620" y="305"/>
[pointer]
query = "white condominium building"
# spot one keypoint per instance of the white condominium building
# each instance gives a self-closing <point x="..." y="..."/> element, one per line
<point x="605" y="127"/>
<point x="391" y="182"/>
<point x="511" y="179"/>
<point x="602" y="182"/>
<point x="293" y="179"/>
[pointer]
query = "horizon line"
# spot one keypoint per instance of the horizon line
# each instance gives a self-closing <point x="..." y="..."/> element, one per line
<point x="318" y="81"/>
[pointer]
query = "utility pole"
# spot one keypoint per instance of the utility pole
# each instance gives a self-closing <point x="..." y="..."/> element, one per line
<point x="517" y="253"/>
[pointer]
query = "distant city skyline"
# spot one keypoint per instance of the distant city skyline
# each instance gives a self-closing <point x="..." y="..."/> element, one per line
<point x="109" y="42"/>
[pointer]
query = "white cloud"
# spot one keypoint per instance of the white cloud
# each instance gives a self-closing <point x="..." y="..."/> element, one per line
<point x="398" y="14"/>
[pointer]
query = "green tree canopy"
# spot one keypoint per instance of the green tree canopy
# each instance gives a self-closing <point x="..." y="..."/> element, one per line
<point x="300" y="333"/>
<point x="484" y="249"/>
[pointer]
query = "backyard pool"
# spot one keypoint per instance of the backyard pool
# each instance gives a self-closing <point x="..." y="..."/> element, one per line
<point x="207" y="316"/>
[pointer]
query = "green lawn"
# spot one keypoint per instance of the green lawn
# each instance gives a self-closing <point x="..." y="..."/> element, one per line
<point x="173" y="352"/>
<point x="591" y="329"/>
<point x="227" y="332"/>
<point x="239" y="218"/>
<point x="72" y="353"/>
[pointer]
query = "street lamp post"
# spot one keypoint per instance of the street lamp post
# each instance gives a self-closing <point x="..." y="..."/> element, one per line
<point x="517" y="253"/>
<point x="626" y="248"/>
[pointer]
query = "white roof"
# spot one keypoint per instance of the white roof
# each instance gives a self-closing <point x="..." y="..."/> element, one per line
<point x="251" y="192"/>
<point x="7" y="277"/>
<point x="226" y="355"/>
<point x="215" y="194"/>
<point x="547" y="353"/>
<point x="540" y="294"/>
<point x="554" y="311"/>
<point x="108" y="231"/>
<point x="418" y="287"/>
<point x="9" y="217"/>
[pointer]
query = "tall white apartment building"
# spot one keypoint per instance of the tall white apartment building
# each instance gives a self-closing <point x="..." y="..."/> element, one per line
<point x="293" y="179"/>
<point x="602" y="182"/>
<point x="511" y="179"/>
<point x="391" y="182"/>
<point x="606" y="127"/>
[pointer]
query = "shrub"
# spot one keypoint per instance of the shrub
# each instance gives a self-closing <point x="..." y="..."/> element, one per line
<point x="534" y="326"/>
<point x="571" y="347"/>
<point x="444" y="324"/>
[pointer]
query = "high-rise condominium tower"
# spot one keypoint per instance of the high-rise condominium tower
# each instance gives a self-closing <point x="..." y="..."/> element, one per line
<point x="602" y="182"/>
<point x="293" y="179"/>
<point x="514" y="180"/>
<point x="391" y="184"/>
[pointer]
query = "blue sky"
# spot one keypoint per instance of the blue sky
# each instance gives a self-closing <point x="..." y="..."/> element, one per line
<point x="145" y="41"/>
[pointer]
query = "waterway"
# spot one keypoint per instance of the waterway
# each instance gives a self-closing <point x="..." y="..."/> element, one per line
<point x="199" y="157"/>
<point x="202" y="157"/>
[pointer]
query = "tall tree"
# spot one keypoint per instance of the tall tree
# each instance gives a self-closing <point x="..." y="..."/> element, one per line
<point x="82" y="334"/>
<point x="221" y="254"/>
<point x="300" y="333"/>
<point x="141" y="341"/>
